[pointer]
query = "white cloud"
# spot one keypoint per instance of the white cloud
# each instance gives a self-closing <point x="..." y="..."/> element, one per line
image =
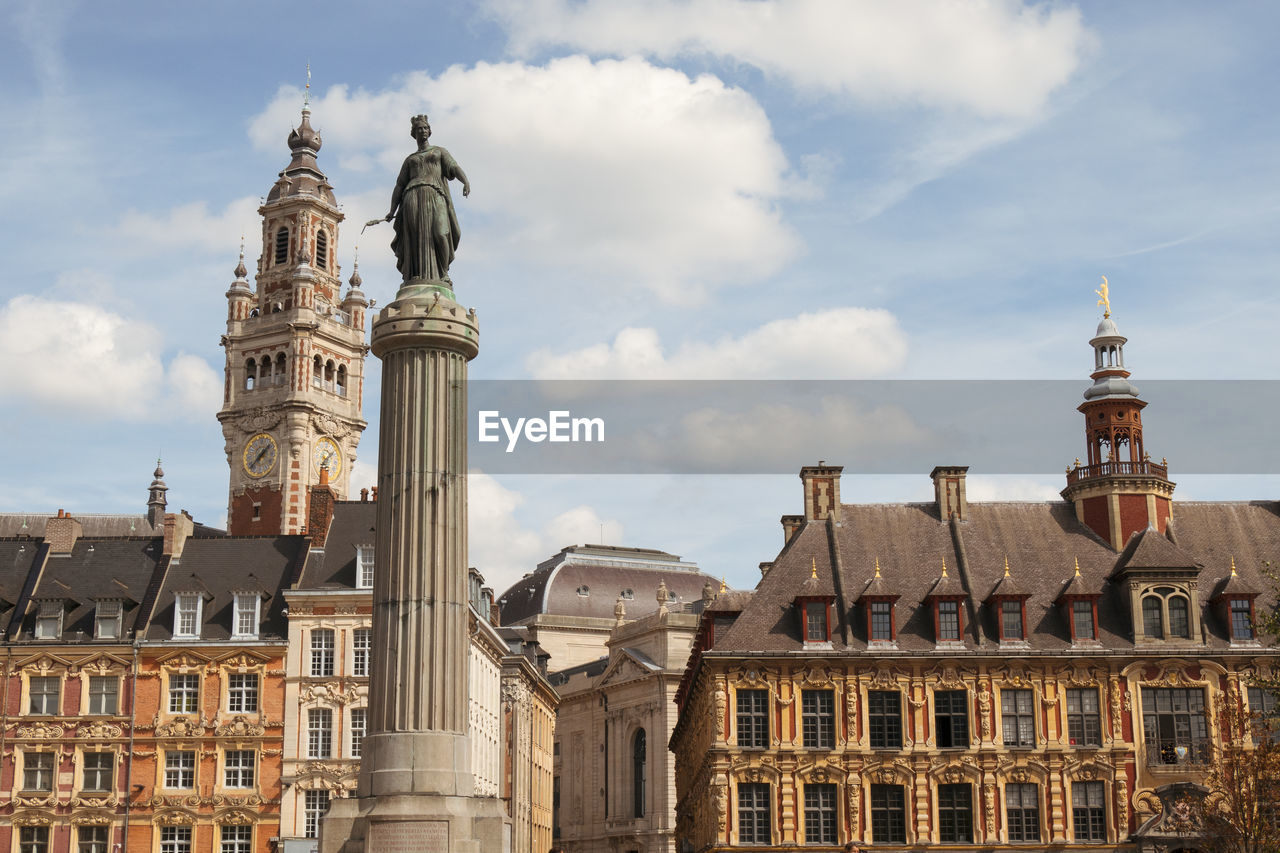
<point x="194" y="225"/>
<point x="990" y="57"/>
<point x="83" y="359"/>
<point x="995" y="487"/>
<point x="619" y="172"/>
<point x="840" y="343"/>
<point x="504" y="550"/>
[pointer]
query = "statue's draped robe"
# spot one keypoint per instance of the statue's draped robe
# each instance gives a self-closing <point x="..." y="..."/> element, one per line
<point x="426" y="226"/>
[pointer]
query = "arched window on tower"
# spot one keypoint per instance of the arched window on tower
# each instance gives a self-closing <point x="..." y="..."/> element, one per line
<point x="250" y="374"/>
<point x="342" y="380"/>
<point x="322" y="250"/>
<point x="264" y="373"/>
<point x="317" y="372"/>
<point x="638" y="750"/>
<point x="328" y="375"/>
<point x="282" y="246"/>
<point x="281" y="374"/>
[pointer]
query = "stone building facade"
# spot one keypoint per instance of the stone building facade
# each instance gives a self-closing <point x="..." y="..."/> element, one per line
<point x="956" y="673"/>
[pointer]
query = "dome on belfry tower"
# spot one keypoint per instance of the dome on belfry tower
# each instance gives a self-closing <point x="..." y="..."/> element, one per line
<point x="302" y="176"/>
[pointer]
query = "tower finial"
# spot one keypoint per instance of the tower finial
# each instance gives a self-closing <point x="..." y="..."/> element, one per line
<point x="944" y="567"/>
<point x="1233" y="566"/>
<point x="1077" y="567"/>
<point x="877" y="567"/>
<point x="723" y="585"/>
<point x="306" y="93"/>
<point x="241" y="271"/>
<point x="813" y="575"/>
<point x="1104" y="294"/>
<point x="1006" y="566"/>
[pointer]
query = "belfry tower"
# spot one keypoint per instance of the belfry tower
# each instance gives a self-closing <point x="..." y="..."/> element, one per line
<point x="1120" y="490"/>
<point x="295" y="355"/>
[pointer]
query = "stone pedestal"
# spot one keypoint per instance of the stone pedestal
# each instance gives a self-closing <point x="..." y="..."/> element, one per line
<point x="415" y="790"/>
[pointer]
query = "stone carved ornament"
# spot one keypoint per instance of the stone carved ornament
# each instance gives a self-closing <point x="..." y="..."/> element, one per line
<point x="40" y="730"/>
<point x="180" y="727"/>
<point x="240" y="726"/>
<point x="100" y="731"/>
<point x="259" y="419"/>
<point x="32" y="819"/>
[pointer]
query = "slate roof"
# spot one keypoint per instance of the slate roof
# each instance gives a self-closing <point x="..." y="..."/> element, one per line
<point x="1042" y="541"/>
<point x="335" y="565"/>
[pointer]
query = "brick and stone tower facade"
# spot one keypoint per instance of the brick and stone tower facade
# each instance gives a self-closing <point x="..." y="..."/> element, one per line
<point x="1120" y="491"/>
<point x="295" y="355"/>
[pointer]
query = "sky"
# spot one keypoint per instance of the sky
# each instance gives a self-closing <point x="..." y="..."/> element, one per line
<point x="706" y="189"/>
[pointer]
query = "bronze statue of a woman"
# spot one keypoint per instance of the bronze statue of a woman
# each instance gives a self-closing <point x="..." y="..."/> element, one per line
<point x="426" y="226"/>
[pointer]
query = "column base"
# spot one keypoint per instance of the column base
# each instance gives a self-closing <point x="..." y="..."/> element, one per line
<point x="416" y="823"/>
<point x="395" y="763"/>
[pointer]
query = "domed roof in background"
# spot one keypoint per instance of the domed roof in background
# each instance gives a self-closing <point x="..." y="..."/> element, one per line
<point x="586" y="580"/>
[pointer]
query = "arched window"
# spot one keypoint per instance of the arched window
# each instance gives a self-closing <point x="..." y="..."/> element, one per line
<point x="328" y="375"/>
<point x="1179" y="623"/>
<point x="1152" y="617"/>
<point x="638" y="774"/>
<point x="282" y="245"/>
<point x="250" y="374"/>
<point x="281" y="372"/>
<point x="264" y="373"/>
<point x="317" y="372"/>
<point x="342" y="380"/>
<point x="322" y="250"/>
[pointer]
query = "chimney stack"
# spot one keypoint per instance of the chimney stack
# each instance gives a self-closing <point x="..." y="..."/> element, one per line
<point x="178" y="526"/>
<point x="821" y="491"/>
<point x="948" y="490"/>
<point x="790" y="524"/>
<point x="320" y="503"/>
<point x="62" y="532"/>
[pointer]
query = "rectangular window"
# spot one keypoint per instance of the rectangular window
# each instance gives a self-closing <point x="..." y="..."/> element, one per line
<point x="1174" y="726"/>
<point x="753" y="813"/>
<point x="948" y="620"/>
<point x="245" y="617"/>
<point x="753" y="718"/>
<point x="955" y="813"/>
<point x="888" y="815"/>
<point x="1022" y="808"/>
<point x="104" y="694"/>
<point x="362" y="644"/>
<point x="1241" y="619"/>
<point x="818" y="713"/>
<point x="884" y="718"/>
<point x="180" y="769"/>
<point x="44" y="694"/>
<point x="319" y="733"/>
<point x="1017" y="708"/>
<point x="184" y="693"/>
<point x="820" y="814"/>
<point x="175" y="839"/>
<point x="364" y="567"/>
<point x="881" y="621"/>
<point x="49" y="620"/>
<point x="99" y="770"/>
<point x="33" y="839"/>
<point x="321" y="652"/>
<point x="236" y="839"/>
<point x="1088" y="811"/>
<point x="1084" y="725"/>
<point x="1011" y="620"/>
<point x="186" y="615"/>
<point x="106" y="620"/>
<point x="815" y="622"/>
<point x="37" y="771"/>
<point x="1262" y="702"/>
<point x="1082" y="619"/>
<point x="360" y="725"/>
<point x="91" y="839"/>
<point x="239" y="768"/>
<point x="242" y="693"/>
<point x="314" y="807"/>
<point x="951" y="717"/>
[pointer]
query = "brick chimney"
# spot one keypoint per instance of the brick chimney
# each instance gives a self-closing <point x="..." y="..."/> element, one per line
<point x="790" y="524"/>
<point x="948" y="490"/>
<point x="61" y="532"/>
<point x="177" y="527"/>
<point x="320" y="509"/>
<point x="821" y="491"/>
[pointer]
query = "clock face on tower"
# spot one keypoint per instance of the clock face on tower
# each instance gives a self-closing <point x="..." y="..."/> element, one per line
<point x="260" y="455"/>
<point x="326" y="453"/>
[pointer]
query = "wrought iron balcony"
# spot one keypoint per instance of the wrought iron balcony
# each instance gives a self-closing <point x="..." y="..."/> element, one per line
<point x="1182" y="752"/>
<point x="1145" y="467"/>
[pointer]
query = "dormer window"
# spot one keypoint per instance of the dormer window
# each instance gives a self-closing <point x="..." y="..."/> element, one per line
<point x="364" y="567"/>
<point x="877" y="603"/>
<point x="246" y="615"/>
<point x="107" y="618"/>
<point x="945" y="598"/>
<point x="1165" y="613"/>
<point x="1079" y="604"/>
<point x="49" y="620"/>
<point x="1241" y="610"/>
<point x="1083" y="620"/>
<point x="1011" y="627"/>
<point x="1234" y="603"/>
<point x="816" y="628"/>
<point x="187" y="607"/>
<point x="881" y="617"/>
<point x="948" y="620"/>
<point x="1009" y="602"/>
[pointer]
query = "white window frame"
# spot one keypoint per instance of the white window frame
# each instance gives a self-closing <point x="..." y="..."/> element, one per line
<point x="311" y="814"/>
<point x="364" y="567"/>
<point x="175" y="839"/>
<point x="85" y="770"/>
<point x="361" y="651"/>
<point x="319" y="733"/>
<point x="44" y="772"/>
<point x="359" y="729"/>
<point x="233" y="838"/>
<point x="96" y="695"/>
<point x="180" y="769"/>
<point x="184" y="690"/>
<point x="108" y="613"/>
<point x="187" y="605"/>
<point x="240" y="768"/>
<point x="243" y="692"/>
<point x="48" y="620"/>
<point x="247" y="608"/>
<point x="44" y="710"/>
<point x="322" y="652"/>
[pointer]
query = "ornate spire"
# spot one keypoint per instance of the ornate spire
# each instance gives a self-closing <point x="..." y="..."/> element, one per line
<point x="156" y="501"/>
<point x="944" y="567"/>
<point x="877" y="568"/>
<point x="1077" y="567"/>
<point x="1006" y="566"/>
<point x="1233" y="566"/>
<point x="723" y="585"/>
<point x="814" y="573"/>
<point x="241" y="271"/>
<point x="356" y="281"/>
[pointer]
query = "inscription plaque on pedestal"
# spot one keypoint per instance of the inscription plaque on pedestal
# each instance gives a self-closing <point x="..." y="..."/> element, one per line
<point x="409" y="836"/>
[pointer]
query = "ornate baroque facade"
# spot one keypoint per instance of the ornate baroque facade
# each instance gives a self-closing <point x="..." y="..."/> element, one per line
<point x="952" y="673"/>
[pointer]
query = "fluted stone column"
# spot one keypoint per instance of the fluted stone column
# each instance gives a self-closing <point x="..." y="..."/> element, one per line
<point x="415" y="790"/>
